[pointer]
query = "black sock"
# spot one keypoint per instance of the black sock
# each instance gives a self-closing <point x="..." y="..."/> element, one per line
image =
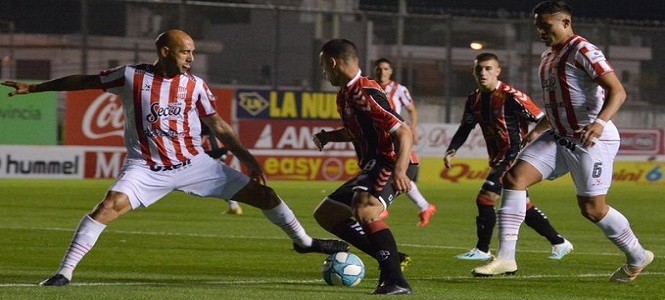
<point x="351" y="231"/>
<point x="387" y="255"/>
<point x="537" y="220"/>
<point x="485" y="222"/>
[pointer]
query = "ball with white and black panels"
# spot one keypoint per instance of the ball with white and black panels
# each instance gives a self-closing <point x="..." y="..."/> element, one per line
<point x="343" y="269"/>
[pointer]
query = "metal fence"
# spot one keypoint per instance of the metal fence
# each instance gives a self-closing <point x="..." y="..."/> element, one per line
<point x="275" y="44"/>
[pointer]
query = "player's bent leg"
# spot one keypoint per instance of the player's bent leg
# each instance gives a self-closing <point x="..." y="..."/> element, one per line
<point x="337" y="219"/>
<point x="114" y="205"/>
<point x="257" y="195"/>
<point x="618" y="230"/>
<point x="521" y="176"/>
<point x="280" y="214"/>
<point x="367" y="209"/>
<point x="485" y="222"/>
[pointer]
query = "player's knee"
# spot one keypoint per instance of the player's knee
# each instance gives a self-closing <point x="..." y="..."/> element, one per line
<point x="486" y="198"/>
<point x="510" y="180"/>
<point x="591" y="214"/>
<point x="270" y="198"/>
<point x="324" y="218"/>
<point x="368" y="214"/>
<point x="113" y="206"/>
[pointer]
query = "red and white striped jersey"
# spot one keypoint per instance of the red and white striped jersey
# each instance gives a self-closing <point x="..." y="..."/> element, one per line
<point x="572" y="98"/>
<point x="162" y="124"/>
<point x="398" y="96"/>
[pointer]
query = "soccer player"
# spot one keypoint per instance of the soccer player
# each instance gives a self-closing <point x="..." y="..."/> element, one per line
<point x="399" y="97"/>
<point x="503" y="114"/>
<point x="581" y="94"/>
<point x="383" y="145"/>
<point x="163" y="102"/>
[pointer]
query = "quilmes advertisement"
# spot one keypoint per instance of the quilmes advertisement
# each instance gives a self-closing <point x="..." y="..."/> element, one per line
<point x="28" y="119"/>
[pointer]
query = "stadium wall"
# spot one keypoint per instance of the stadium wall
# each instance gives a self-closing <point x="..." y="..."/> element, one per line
<point x="278" y="126"/>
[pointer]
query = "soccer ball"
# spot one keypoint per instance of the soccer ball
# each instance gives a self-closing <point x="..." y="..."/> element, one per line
<point x="343" y="268"/>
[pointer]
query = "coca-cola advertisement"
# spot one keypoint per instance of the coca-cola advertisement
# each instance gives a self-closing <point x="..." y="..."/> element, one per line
<point x="95" y="118"/>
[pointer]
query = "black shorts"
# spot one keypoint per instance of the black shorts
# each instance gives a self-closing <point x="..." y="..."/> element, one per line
<point x="375" y="178"/>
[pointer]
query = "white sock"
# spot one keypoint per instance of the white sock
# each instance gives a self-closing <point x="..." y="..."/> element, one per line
<point x="84" y="239"/>
<point x="283" y="216"/>
<point x="617" y="229"/>
<point x="511" y="215"/>
<point x="417" y="198"/>
<point x="233" y="204"/>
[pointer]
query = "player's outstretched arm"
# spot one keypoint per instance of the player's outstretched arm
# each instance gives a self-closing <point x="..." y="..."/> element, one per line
<point x="225" y="133"/>
<point x="324" y="137"/>
<point x="68" y="83"/>
<point x="448" y="156"/>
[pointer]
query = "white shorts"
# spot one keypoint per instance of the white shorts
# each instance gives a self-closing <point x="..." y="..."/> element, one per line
<point x="591" y="168"/>
<point x="202" y="176"/>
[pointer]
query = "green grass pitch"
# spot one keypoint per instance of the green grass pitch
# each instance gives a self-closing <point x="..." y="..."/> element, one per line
<point x="184" y="248"/>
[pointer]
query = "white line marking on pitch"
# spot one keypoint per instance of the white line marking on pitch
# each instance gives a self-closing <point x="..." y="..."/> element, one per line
<point x="255" y="282"/>
<point x="158" y="233"/>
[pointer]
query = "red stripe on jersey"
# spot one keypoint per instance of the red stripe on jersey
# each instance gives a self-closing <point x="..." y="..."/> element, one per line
<point x="173" y="123"/>
<point x="597" y="67"/>
<point x="565" y="87"/>
<point x="393" y="91"/>
<point x="551" y="95"/>
<point x="191" y="84"/>
<point x="155" y="93"/>
<point x="138" y="117"/>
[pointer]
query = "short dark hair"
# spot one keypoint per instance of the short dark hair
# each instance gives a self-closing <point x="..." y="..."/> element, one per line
<point x="485" y="56"/>
<point x="340" y="48"/>
<point x="552" y="7"/>
<point x="382" y="60"/>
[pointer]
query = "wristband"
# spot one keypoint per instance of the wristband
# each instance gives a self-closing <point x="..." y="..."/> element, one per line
<point x="600" y="121"/>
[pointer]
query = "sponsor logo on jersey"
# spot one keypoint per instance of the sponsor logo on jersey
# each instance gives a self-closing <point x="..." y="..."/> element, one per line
<point x="171" y="111"/>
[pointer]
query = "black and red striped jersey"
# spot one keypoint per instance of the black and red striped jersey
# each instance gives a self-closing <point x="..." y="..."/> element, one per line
<point x="503" y="115"/>
<point x="368" y="117"/>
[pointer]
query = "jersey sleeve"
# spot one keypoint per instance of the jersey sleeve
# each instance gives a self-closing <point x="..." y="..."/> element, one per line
<point x="113" y="80"/>
<point x="592" y="61"/>
<point x="466" y="125"/>
<point x="527" y="108"/>
<point x="373" y="103"/>
<point x="532" y="111"/>
<point x="206" y="102"/>
<point x="405" y="97"/>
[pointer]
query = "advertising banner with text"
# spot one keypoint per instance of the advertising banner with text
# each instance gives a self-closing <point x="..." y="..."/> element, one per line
<point x="435" y="138"/>
<point x="286" y="150"/>
<point x="467" y="169"/>
<point x="95" y="118"/>
<point x="275" y="105"/>
<point x="41" y="162"/>
<point x="641" y="142"/>
<point x="28" y="119"/>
